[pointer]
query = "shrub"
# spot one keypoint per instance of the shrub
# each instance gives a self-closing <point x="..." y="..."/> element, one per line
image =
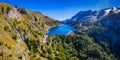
<point x="49" y="50"/>
<point x="51" y="57"/>
<point x="43" y="54"/>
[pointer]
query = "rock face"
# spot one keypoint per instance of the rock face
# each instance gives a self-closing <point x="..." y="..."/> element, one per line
<point x="21" y="32"/>
<point x="14" y="14"/>
<point x="83" y="15"/>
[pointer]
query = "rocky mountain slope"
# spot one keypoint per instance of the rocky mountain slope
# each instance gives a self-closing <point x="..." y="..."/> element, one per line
<point x="103" y="25"/>
<point x="19" y="27"/>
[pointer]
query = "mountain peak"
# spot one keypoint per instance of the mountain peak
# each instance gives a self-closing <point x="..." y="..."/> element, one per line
<point x="93" y="16"/>
<point x="108" y="11"/>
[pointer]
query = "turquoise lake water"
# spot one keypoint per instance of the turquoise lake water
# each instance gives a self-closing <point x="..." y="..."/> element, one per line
<point x="60" y="30"/>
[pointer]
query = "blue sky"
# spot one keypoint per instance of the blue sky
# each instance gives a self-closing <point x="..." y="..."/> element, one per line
<point x="62" y="9"/>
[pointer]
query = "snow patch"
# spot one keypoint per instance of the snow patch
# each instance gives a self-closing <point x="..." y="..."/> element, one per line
<point x="107" y="11"/>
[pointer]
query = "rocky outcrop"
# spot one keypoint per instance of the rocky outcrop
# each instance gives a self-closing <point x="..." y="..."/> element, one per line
<point x="14" y="14"/>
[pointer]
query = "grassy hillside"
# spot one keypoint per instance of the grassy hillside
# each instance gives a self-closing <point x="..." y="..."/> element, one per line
<point x="17" y="27"/>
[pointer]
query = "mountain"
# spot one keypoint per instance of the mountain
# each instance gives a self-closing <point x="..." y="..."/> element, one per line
<point x="23" y="36"/>
<point x="102" y="25"/>
<point x="93" y="16"/>
<point x="19" y="29"/>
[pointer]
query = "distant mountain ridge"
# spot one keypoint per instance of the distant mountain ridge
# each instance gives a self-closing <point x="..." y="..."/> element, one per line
<point x="93" y="16"/>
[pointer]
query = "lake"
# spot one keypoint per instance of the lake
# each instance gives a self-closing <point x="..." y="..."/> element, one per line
<point x="60" y="30"/>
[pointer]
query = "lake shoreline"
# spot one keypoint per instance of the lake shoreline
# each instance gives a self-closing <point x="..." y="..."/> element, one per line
<point x="62" y="29"/>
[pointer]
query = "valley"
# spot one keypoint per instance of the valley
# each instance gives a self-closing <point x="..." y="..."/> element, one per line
<point x="30" y="35"/>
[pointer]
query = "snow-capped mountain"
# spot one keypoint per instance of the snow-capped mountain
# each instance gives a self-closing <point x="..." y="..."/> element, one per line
<point x="94" y="16"/>
<point x="108" y="11"/>
<point x="102" y="25"/>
